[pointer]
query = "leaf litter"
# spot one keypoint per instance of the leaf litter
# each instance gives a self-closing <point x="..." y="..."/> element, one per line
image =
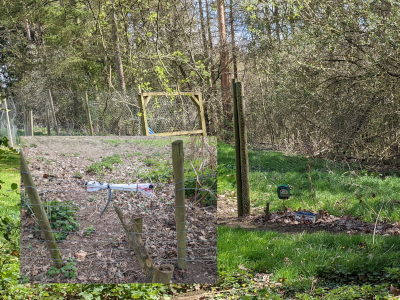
<point x="104" y="256"/>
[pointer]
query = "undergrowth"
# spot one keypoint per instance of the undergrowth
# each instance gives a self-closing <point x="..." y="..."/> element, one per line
<point x="61" y="215"/>
<point x="106" y="163"/>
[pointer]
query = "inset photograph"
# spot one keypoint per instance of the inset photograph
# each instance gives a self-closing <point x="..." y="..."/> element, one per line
<point x="118" y="209"/>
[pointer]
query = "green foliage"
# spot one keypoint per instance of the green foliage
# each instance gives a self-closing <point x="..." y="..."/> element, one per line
<point x="367" y="268"/>
<point x="89" y="230"/>
<point x="348" y="292"/>
<point x="67" y="271"/>
<point x="204" y="187"/>
<point x="60" y="214"/>
<point x="105" y="163"/>
<point x="159" y="170"/>
<point x="84" y="291"/>
<point x="78" y="175"/>
<point x="62" y="218"/>
<point x="9" y="214"/>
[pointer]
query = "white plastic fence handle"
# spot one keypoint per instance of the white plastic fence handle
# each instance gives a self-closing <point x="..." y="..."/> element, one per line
<point x="145" y="188"/>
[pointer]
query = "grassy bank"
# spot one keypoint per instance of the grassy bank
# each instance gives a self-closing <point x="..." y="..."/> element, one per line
<point x="297" y="260"/>
<point x="9" y="216"/>
<point x="340" y="188"/>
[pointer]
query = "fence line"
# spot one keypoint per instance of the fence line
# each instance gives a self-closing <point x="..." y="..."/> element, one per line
<point x="159" y="233"/>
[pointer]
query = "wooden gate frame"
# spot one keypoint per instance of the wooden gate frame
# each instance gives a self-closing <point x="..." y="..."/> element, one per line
<point x="197" y="99"/>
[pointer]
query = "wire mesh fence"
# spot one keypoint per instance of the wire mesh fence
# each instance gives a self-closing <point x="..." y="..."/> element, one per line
<point x="7" y="124"/>
<point x="184" y="112"/>
<point x="98" y="246"/>
<point x="67" y="112"/>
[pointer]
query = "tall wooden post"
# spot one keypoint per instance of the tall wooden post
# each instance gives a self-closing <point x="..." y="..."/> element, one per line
<point x="242" y="161"/>
<point x="40" y="214"/>
<point x="202" y="119"/>
<point x="53" y="113"/>
<point x="244" y="158"/>
<point x="142" y="104"/>
<point x="10" y="138"/>
<point x="48" y="121"/>
<point x="180" y="205"/>
<point x="26" y="121"/>
<point x="88" y="115"/>
<point x="31" y="122"/>
<point x="237" y="151"/>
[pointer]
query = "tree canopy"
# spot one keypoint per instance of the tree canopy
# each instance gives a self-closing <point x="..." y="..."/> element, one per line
<point x="320" y="77"/>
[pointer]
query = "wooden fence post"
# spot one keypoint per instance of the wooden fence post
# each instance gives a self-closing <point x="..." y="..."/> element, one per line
<point x="88" y="115"/>
<point x="10" y="138"/>
<point x="40" y="213"/>
<point x="48" y="121"/>
<point x="31" y="122"/>
<point x="180" y="207"/>
<point x="26" y="126"/>
<point x="133" y="230"/>
<point x="53" y="113"/>
<point x="142" y="105"/>
<point x="244" y="202"/>
<point x="237" y="151"/>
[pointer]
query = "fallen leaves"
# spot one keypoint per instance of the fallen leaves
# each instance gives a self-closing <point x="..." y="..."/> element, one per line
<point x="81" y="255"/>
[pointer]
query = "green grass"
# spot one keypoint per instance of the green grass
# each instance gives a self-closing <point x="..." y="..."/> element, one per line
<point x="298" y="260"/>
<point x="9" y="176"/>
<point x="106" y="163"/>
<point x="155" y="142"/>
<point x="337" y="187"/>
<point x="9" y="216"/>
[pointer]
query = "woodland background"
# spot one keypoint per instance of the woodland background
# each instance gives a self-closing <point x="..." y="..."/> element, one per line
<point x="320" y="77"/>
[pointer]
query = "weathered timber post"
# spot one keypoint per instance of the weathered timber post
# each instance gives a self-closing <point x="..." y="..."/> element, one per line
<point x="134" y="232"/>
<point x="163" y="274"/>
<point x="53" y="113"/>
<point x="137" y="244"/>
<point x="10" y="138"/>
<point x="48" y="121"/>
<point x="26" y="125"/>
<point x="237" y="151"/>
<point x="40" y="213"/>
<point x="31" y="122"/>
<point x="88" y="114"/>
<point x="142" y="105"/>
<point x="180" y="207"/>
<point x="244" y="159"/>
<point x="266" y="217"/>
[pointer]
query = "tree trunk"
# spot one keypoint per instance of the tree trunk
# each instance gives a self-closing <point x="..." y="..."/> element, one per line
<point x="227" y="107"/>
<point x="28" y="30"/>
<point x="203" y="29"/>
<point x="235" y="72"/>
<point x="210" y="44"/>
<point x="118" y="59"/>
<point x="276" y="21"/>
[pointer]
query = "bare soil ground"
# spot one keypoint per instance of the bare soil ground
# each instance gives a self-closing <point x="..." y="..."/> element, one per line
<point x="285" y="222"/>
<point x="104" y="256"/>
